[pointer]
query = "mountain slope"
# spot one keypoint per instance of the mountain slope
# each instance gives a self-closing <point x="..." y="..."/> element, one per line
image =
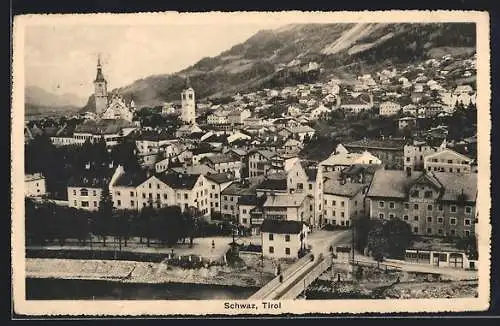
<point x="338" y="48"/>
<point x="38" y="100"/>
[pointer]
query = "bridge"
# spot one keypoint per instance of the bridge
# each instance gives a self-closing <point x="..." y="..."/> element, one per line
<point x="295" y="279"/>
<point x="298" y="276"/>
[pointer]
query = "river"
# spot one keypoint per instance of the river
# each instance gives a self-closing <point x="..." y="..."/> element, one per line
<point x="57" y="289"/>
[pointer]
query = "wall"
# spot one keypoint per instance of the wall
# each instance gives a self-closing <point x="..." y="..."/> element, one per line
<point x="75" y="198"/>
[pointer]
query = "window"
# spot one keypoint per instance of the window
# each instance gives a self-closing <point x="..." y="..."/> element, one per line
<point x="342" y="203"/>
<point x="213" y="187"/>
<point x="216" y="195"/>
<point x="95" y="203"/>
<point x="440" y="231"/>
<point x="391" y="216"/>
<point x="453" y="209"/>
<point x="415" y="230"/>
<point x="440" y="207"/>
<point x="381" y="204"/>
<point x="158" y="186"/>
<point x="467" y="233"/>
<point x="468" y="209"/>
<point x="131" y="194"/>
<point x="381" y="216"/>
<point x="405" y="217"/>
<point x="149" y="185"/>
<point x="392" y="204"/>
<point x="244" y="221"/>
<point x="415" y="206"/>
<point x="407" y="206"/>
<point x="271" y="237"/>
<point x="216" y="204"/>
<point x="429" y="230"/>
<point x="415" y="218"/>
<point x="84" y="192"/>
<point x="310" y="186"/>
<point x="244" y="211"/>
<point x="225" y="197"/>
<point x="341" y="214"/>
<point x="415" y="193"/>
<point x="271" y="250"/>
<point x="440" y="220"/>
<point x="429" y="207"/>
<point x="85" y="204"/>
<point x="467" y="221"/>
<point x="132" y="203"/>
<point x="225" y="206"/>
<point x="232" y="207"/>
<point x="333" y="213"/>
<point x="186" y="196"/>
<point x="74" y="192"/>
<point x="164" y="196"/>
<point x="75" y="203"/>
<point x="450" y="161"/>
<point x="95" y="193"/>
<point x="158" y="196"/>
<point x="342" y="223"/>
<point x="334" y="202"/>
<point x="150" y="195"/>
<point x="452" y="232"/>
<point x="453" y="221"/>
<point x="287" y="237"/>
<point x="429" y="218"/>
<point x="144" y="195"/>
<point x="119" y="202"/>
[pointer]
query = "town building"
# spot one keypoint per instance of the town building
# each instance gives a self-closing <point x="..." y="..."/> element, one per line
<point x="216" y="183"/>
<point x="34" y="185"/>
<point x="417" y="150"/>
<point x="407" y="123"/>
<point x="388" y="109"/>
<point x="341" y="160"/>
<point x="389" y="151"/>
<point x="85" y="189"/>
<point x="432" y="203"/>
<point x="449" y="161"/>
<point x="223" y="163"/>
<point x="283" y="239"/>
<point x="259" y="162"/>
<point x="343" y="198"/>
<point x="288" y="207"/>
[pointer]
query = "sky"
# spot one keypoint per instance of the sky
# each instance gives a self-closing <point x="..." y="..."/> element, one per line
<point x="62" y="58"/>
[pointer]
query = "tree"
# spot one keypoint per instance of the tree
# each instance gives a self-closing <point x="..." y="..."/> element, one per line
<point x="145" y="225"/>
<point x="377" y="242"/>
<point x="389" y="238"/>
<point x="104" y="217"/>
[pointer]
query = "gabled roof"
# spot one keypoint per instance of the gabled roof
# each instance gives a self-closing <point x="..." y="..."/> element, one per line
<point x="91" y="179"/>
<point x="272" y="184"/>
<point x="288" y="200"/>
<point x="282" y="227"/>
<point x="179" y="180"/>
<point x="103" y="126"/>
<point x="450" y="151"/>
<point x="239" y="189"/>
<point x="334" y="186"/>
<point x="130" y="179"/>
<point x="219" y="177"/>
<point x="220" y="158"/>
<point x="196" y="169"/>
<point x="264" y="152"/>
<point x="341" y="159"/>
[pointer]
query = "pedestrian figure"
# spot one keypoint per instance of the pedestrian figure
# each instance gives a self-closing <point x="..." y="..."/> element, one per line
<point x="281" y="278"/>
<point x="213" y="244"/>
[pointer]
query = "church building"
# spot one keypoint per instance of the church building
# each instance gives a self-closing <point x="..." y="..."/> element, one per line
<point x="110" y="108"/>
<point x="188" y="110"/>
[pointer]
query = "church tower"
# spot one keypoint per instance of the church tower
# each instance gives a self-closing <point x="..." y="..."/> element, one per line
<point x="100" y="90"/>
<point x="188" y="113"/>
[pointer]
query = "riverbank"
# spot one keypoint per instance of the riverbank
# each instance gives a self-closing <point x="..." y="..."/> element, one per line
<point x="246" y="272"/>
<point x="374" y="283"/>
<point x="59" y="289"/>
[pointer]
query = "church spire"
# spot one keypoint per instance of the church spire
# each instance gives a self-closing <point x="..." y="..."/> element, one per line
<point x="188" y="83"/>
<point x="100" y="76"/>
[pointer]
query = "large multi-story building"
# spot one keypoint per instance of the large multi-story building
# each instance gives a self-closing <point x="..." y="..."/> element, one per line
<point x="224" y="163"/>
<point x="283" y="239"/>
<point x="259" y="162"/>
<point x="343" y="199"/>
<point x="389" y="108"/>
<point x="432" y="203"/>
<point x="85" y="190"/>
<point x="449" y="161"/>
<point x="417" y="150"/>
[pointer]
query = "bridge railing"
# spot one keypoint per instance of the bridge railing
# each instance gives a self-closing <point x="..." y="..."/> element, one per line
<point x="304" y="282"/>
<point x="275" y="282"/>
